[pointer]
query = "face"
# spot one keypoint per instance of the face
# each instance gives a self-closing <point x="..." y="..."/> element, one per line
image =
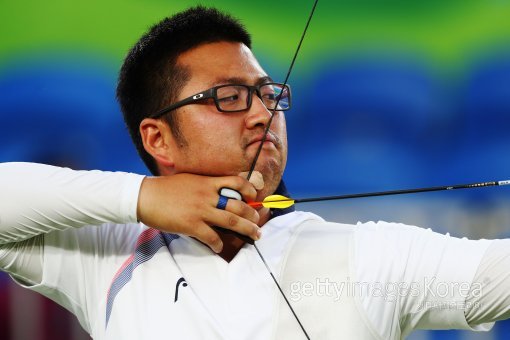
<point x="219" y="143"/>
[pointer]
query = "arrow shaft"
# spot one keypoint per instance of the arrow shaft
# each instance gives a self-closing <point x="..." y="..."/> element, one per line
<point x="394" y="192"/>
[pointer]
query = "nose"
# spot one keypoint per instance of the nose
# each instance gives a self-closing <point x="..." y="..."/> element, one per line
<point x="258" y="114"/>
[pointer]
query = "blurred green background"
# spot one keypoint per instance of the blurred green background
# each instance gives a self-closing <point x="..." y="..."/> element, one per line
<point x="449" y="34"/>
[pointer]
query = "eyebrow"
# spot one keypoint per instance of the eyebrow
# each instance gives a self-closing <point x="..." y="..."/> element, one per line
<point x="237" y="80"/>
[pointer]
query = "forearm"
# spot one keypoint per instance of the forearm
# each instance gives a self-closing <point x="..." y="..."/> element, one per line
<point x="37" y="199"/>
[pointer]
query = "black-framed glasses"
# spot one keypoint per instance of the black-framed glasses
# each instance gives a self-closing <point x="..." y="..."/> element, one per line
<point x="235" y="98"/>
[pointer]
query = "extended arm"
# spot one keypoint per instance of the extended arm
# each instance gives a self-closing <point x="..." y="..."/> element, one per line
<point x="433" y="281"/>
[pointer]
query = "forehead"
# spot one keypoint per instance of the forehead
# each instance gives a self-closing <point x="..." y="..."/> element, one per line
<point x="215" y="63"/>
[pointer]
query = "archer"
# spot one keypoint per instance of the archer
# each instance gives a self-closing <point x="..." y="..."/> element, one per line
<point x="135" y="257"/>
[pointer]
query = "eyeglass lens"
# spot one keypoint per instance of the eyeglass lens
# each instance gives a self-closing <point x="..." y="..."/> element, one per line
<point x="235" y="97"/>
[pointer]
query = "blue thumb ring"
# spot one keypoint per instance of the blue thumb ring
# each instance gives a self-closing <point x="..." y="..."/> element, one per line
<point x="222" y="202"/>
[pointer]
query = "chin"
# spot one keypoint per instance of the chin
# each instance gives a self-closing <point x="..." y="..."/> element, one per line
<point x="271" y="182"/>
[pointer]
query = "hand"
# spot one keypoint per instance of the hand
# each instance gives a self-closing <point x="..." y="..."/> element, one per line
<point x="186" y="204"/>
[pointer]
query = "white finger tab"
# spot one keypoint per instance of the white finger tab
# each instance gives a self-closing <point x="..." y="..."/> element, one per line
<point x="230" y="193"/>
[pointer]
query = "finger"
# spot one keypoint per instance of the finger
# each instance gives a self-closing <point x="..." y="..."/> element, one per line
<point x="243" y="210"/>
<point x="230" y="221"/>
<point x="239" y="184"/>
<point x="223" y="200"/>
<point x="209" y="237"/>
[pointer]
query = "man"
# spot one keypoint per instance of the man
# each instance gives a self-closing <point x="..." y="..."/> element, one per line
<point x="197" y="103"/>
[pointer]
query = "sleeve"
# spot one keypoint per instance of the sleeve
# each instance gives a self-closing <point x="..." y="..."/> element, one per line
<point x="38" y="199"/>
<point x="416" y="278"/>
<point x="489" y="301"/>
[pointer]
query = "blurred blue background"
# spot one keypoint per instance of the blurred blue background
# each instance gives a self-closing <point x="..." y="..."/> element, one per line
<point x="387" y="95"/>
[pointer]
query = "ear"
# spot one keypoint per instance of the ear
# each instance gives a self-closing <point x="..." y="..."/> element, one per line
<point x="158" y="141"/>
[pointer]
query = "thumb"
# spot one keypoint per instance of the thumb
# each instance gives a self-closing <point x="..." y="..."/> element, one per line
<point x="256" y="179"/>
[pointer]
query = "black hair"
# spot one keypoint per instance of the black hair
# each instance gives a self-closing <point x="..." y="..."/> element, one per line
<point x="150" y="78"/>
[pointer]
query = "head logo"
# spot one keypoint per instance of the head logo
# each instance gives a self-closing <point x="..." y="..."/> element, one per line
<point x="184" y="284"/>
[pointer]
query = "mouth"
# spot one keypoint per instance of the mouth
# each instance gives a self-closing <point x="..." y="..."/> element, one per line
<point x="269" y="140"/>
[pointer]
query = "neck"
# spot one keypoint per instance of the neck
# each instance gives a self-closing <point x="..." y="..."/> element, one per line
<point x="232" y="242"/>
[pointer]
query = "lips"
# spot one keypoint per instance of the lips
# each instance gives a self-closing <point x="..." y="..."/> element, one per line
<point x="269" y="138"/>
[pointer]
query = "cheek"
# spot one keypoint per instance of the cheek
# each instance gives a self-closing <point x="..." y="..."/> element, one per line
<point x="214" y="134"/>
<point x="197" y="127"/>
<point x="211" y="137"/>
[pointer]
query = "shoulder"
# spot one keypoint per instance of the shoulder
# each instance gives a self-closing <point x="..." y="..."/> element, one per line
<point x="309" y="221"/>
<point x="406" y="240"/>
<point x="383" y="234"/>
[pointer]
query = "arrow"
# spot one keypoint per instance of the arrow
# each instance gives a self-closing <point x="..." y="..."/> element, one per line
<point x="282" y="202"/>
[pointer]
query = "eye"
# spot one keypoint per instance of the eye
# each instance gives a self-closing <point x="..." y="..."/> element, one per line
<point x="228" y="94"/>
<point x="227" y="99"/>
<point x="269" y="96"/>
<point x="270" y="92"/>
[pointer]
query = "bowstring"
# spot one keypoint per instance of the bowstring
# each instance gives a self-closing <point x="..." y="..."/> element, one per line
<point x="259" y="149"/>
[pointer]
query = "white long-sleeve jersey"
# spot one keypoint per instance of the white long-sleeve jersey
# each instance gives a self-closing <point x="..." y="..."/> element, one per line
<point x="73" y="236"/>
